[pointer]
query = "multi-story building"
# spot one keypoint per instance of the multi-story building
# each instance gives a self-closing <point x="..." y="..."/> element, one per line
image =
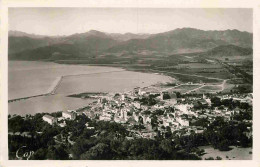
<point x="51" y="120"/>
<point x="137" y="105"/>
<point x="185" y="108"/>
<point x="69" y="115"/>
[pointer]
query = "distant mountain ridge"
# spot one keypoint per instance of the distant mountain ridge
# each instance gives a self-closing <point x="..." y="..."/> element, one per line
<point x="20" y="41"/>
<point x="13" y="33"/>
<point x="83" y="45"/>
<point x="187" y="38"/>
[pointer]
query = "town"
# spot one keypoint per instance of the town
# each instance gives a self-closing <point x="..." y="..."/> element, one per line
<point x="146" y="111"/>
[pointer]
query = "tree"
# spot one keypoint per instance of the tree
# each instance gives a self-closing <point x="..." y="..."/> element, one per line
<point x="57" y="153"/>
<point x="224" y="145"/>
<point x="81" y="145"/>
<point x="218" y="158"/>
<point x="98" y="152"/>
<point x="178" y="94"/>
<point x="210" y="158"/>
<point x="166" y="146"/>
<point x="40" y="154"/>
<point x="215" y="101"/>
<point x="140" y="120"/>
<point x="168" y="133"/>
<point x="166" y="96"/>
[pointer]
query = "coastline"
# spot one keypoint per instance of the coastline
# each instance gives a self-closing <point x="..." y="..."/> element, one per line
<point x="40" y="100"/>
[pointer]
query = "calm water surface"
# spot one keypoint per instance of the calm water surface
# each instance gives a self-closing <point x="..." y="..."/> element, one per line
<point x="28" y="78"/>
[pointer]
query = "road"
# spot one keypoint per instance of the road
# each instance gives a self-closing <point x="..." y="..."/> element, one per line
<point x="222" y="85"/>
<point x="194" y="89"/>
<point x="194" y="75"/>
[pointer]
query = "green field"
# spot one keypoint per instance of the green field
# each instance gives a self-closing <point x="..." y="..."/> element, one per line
<point x="194" y="79"/>
<point x="184" y="88"/>
<point x="209" y="89"/>
<point x="199" y="65"/>
<point x="214" y="88"/>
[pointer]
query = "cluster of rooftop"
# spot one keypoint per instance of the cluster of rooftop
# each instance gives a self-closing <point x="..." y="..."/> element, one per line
<point x="147" y="112"/>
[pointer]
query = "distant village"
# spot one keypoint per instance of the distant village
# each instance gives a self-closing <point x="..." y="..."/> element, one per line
<point x="146" y="111"/>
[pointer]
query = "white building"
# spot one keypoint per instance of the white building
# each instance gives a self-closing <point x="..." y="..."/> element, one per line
<point x="105" y="118"/>
<point x="122" y="97"/>
<point x="148" y="135"/>
<point x="61" y="118"/>
<point x="119" y="120"/>
<point x="185" y="108"/>
<point x="123" y="114"/>
<point x="136" y="116"/>
<point x="63" y="124"/>
<point x="146" y="119"/>
<point x="140" y="92"/>
<point x="69" y="115"/>
<point x="137" y="105"/>
<point x="51" y="120"/>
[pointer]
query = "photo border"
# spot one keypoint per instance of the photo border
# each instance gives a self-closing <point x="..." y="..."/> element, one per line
<point x="129" y="4"/>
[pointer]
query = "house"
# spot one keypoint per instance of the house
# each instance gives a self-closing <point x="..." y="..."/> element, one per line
<point x="146" y="119"/>
<point x="123" y="114"/>
<point x="51" y="120"/>
<point x="105" y="118"/>
<point x="119" y="120"/>
<point x="137" y="105"/>
<point x="136" y="116"/>
<point x="185" y="108"/>
<point x="148" y="135"/>
<point x="90" y="114"/>
<point x="62" y="124"/>
<point x="122" y="97"/>
<point x="69" y="115"/>
<point x="201" y="103"/>
<point x="140" y="92"/>
<point x="89" y="127"/>
<point x="61" y="119"/>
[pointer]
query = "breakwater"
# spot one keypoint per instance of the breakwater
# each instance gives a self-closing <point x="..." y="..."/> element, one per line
<point x="56" y="84"/>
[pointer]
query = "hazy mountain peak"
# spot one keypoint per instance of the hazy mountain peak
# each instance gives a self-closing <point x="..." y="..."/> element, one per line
<point x="15" y="33"/>
<point x="95" y="32"/>
<point x="176" y="41"/>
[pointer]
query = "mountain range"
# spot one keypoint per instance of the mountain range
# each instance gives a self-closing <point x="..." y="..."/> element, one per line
<point x="24" y="46"/>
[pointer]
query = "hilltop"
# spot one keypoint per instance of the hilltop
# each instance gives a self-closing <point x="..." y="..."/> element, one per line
<point x="23" y="46"/>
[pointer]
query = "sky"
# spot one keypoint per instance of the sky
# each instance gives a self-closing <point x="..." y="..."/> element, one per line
<point x="67" y="21"/>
